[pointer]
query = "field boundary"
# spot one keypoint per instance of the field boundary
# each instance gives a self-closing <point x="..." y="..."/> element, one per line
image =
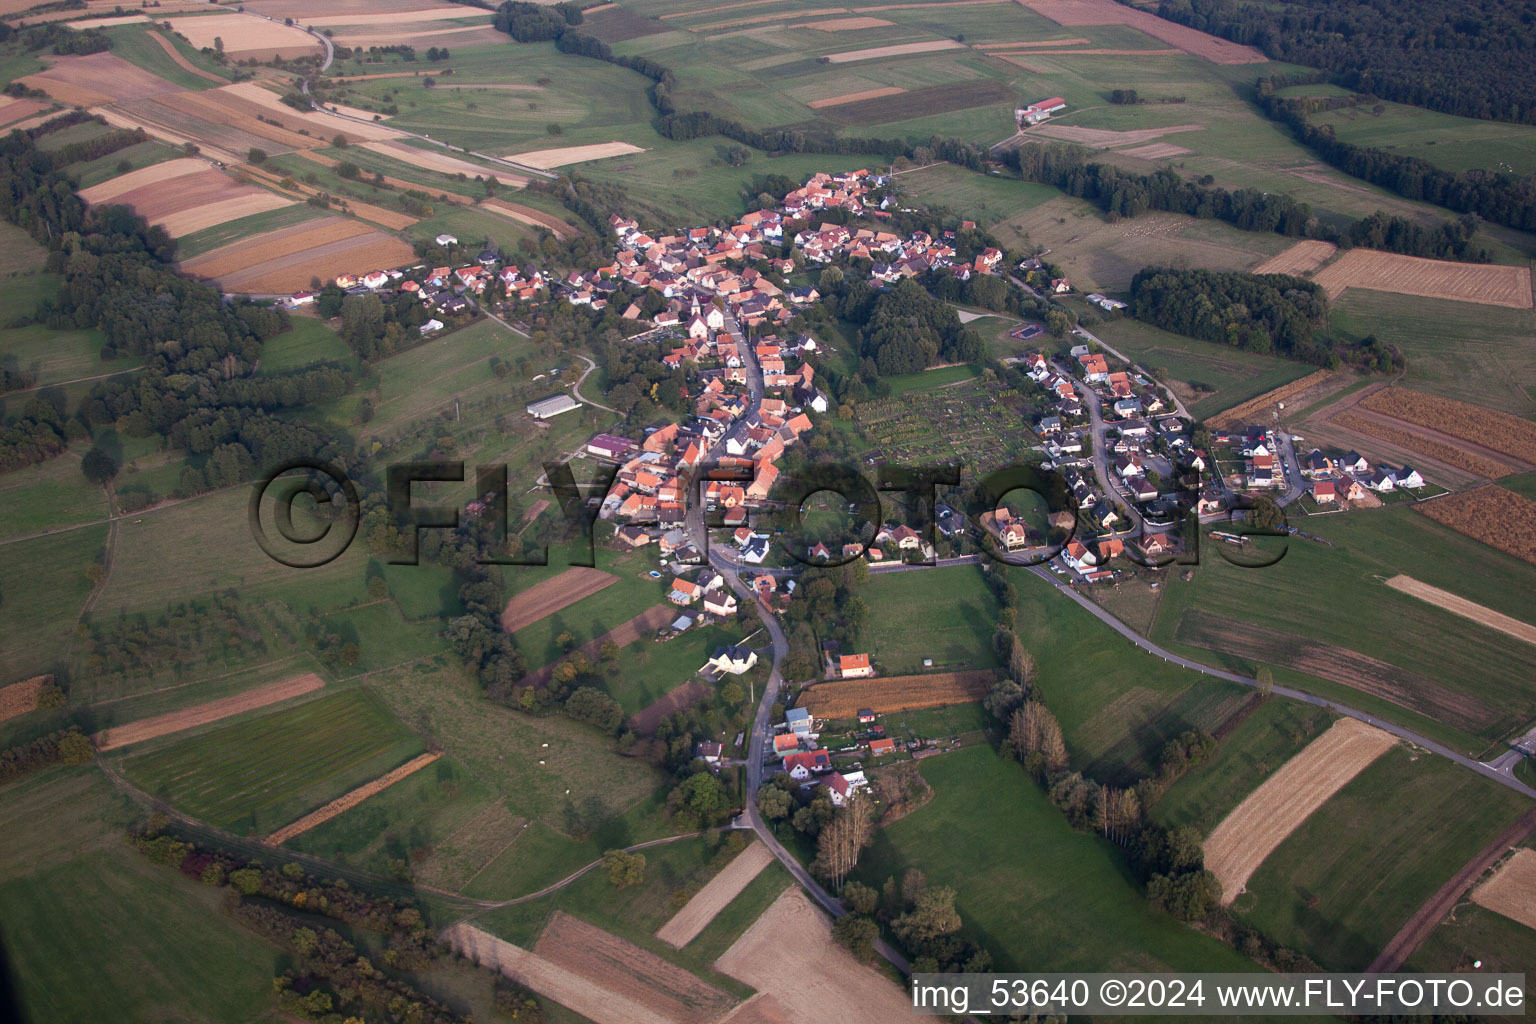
<point x="624" y="634"/>
<point x="203" y="714"/>
<point x="347" y="801"/>
<point x="1457" y="605"/>
<point x="555" y="594"/>
<point x="717" y="894"/>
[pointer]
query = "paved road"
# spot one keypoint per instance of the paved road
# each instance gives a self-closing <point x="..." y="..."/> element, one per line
<point x="1101" y="465"/>
<point x="576" y="387"/>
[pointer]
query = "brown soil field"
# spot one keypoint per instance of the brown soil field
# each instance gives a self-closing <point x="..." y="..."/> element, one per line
<point x="1078" y="41"/>
<point x="1395" y="432"/>
<point x="181" y="61"/>
<point x="644" y="721"/>
<point x="244" y="34"/>
<point x="789" y="953"/>
<point x="1466" y="609"/>
<point x="617" y="25"/>
<point x="436" y="160"/>
<point x="302" y="9"/>
<point x="550" y="980"/>
<point x="222" y="107"/>
<point x="545" y="598"/>
<point x="272" y="245"/>
<point x="151" y="175"/>
<point x="1299" y="260"/>
<point x="528" y="215"/>
<point x="544" y="159"/>
<point x="841" y="24"/>
<point x="1487" y="283"/>
<point x="18" y="110"/>
<point x="202" y="714"/>
<point x="19" y="698"/>
<point x="933" y="99"/>
<point x="1512" y="889"/>
<point x="1337" y="664"/>
<point x="1099" y="53"/>
<point x="448" y="13"/>
<point x="1103" y="138"/>
<point x="1498" y="431"/>
<point x="842" y="698"/>
<point x="219" y="135"/>
<point x="1107" y="12"/>
<point x="854" y="97"/>
<point x="756" y="20"/>
<point x="622" y="635"/>
<point x="898" y="50"/>
<point x="322" y="126"/>
<point x="183" y="192"/>
<point x="372" y="251"/>
<point x="100" y="75"/>
<point x="717" y="893"/>
<point x="1240" y="414"/>
<point x="638" y="976"/>
<point x="350" y="800"/>
<point x="1156" y="151"/>
<point x="1498" y="518"/>
<point x="185" y="222"/>
<point x="952" y="3"/>
<point x="1253" y="829"/>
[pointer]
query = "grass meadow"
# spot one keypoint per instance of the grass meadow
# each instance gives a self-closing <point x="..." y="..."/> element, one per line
<point x="261" y="773"/>
<point x="955" y="632"/>
<point x="1343" y="883"/>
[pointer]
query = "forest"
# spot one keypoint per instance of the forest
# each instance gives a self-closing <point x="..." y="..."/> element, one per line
<point x="1458" y="57"/>
<point x="1503" y="198"/>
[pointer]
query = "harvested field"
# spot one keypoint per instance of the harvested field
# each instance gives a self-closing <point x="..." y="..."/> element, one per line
<point x="1494" y="430"/>
<point x="722" y="7"/>
<point x="202" y="714"/>
<point x="118" y="118"/>
<point x="19" y="698"/>
<point x="1466" y="609"/>
<point x="844" y="697"/>
<point x="716" y="895"/>
<point x="790" y="954"/>
<point x="122" y="19"/>
<point x="644" y="721"/>
<point x="1337" y="664"/>
<point x="550" y="980"/>
<point x="191" y="202"/>
<point x="1487" y="283"/>
<point x="854" y="97"/>
<point x="1103" y="138"/>
<point x="184" y="222"/>
<point x="400" y="183"/>
<point x="181" y="61"/>
<point x="302" y="9"/>
<point x="1245" y="412"/>
<point x="221" y="107"/>
<point x="449" y="13"/>
<point x="272" y="245"/>
<point x="151" y="175"/>
<point x="934" y="99"/>
<point x="246" y="35"/>
<point x="1299" y="260"/>
<point x="544" y="159"/>
<point x="1498" y="518"/>
<point x="1390" y="430"/>
<point x="841" y="24"/>
<point x="1237" y="847"/>
<point x="899" y="50"/>
<point x="1512" y="889"/>
<point x="951" y="3"/>
<point x="622" y="635"/>
<point x="637" y="976"/>
<point x="440" y="162"/>
<point x="345" y="803"/>
<point x="1107" y="12"/>
<point x="1079" y="41"/>
<point x="758" y="19"/>
<point x="99" y="75"/>
<point x="13" y="109"/>
<point x="463" y="35"/>
<point x="1156" y="151"/>
<point x="557" y="592"/>
<point x="284" y="260"/>
<point x="616" y="24"/>
<point x="270" y="105"/>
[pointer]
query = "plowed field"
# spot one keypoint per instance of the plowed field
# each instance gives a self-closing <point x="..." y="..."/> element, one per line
<point x="553" y="594"/>
<point x="844" y="697"/>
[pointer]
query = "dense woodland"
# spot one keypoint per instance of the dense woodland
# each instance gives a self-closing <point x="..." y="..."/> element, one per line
<point x="1457" y="56"/>
<point x="1503" y="198"/>
<point x="1125" y="193"/>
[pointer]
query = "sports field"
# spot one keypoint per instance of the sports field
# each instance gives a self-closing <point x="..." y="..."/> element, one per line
<point x="259" y="774"/>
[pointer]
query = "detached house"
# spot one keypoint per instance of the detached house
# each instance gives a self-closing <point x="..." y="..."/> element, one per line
<point x="854" y="666"/>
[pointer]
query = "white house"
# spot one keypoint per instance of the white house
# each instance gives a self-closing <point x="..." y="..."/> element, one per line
<point x="446" y="240"/>
<point x="431" y="326"/>
<point x="732" y="660"/>
<point x="1409" y="477"/>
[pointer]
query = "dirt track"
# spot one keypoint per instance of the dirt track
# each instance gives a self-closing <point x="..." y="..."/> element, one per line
<point x="1466" y="609"/>
<point x="1269" y="814"/>
<point x="557" y="592"/>
<point x="624" y="634"/>
<point x="350" y="800"/>
<point x="202" y="714"/>
<point x="789" y="954"/>
<point x="716" y="895"/>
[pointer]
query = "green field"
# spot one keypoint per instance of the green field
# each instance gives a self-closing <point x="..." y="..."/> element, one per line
<point x="75" y="894"/>
<point x="648" y="671"/>
<point x="259" y="774"/>
<point x="133" y="44"/>
<point x="979" y="197"/>
<point x="307" y="342"/>
<point x="1473" y="353"/>
<point x="1474" y="933"/>
<point x="44" y="585"/>
<point x="48" y="495"/>
<point x="1206" y="376"/>
<point x="1036" y="894"/>
<point x="1344" y="882"/>
<point x="956" y="632"/>
<point x="592" y="616"/>
<point x="1449" y="142"/>
<point x="1335" y="595"/>
<point x="1276" y="731"/>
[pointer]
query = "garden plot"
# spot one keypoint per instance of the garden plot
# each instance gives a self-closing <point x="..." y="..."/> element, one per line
<point x="977" y="423"/>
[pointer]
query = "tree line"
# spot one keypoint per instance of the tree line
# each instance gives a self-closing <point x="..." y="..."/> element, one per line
<point x="1469" y="59"/>
<point x="1504" y="198"/>
<point x="1123" y="193"/>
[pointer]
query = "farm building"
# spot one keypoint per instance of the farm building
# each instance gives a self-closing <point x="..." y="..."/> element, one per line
<point x="1037" y="112"/>
<point x="554" y="405"/>
<point x="610" y="446"/>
